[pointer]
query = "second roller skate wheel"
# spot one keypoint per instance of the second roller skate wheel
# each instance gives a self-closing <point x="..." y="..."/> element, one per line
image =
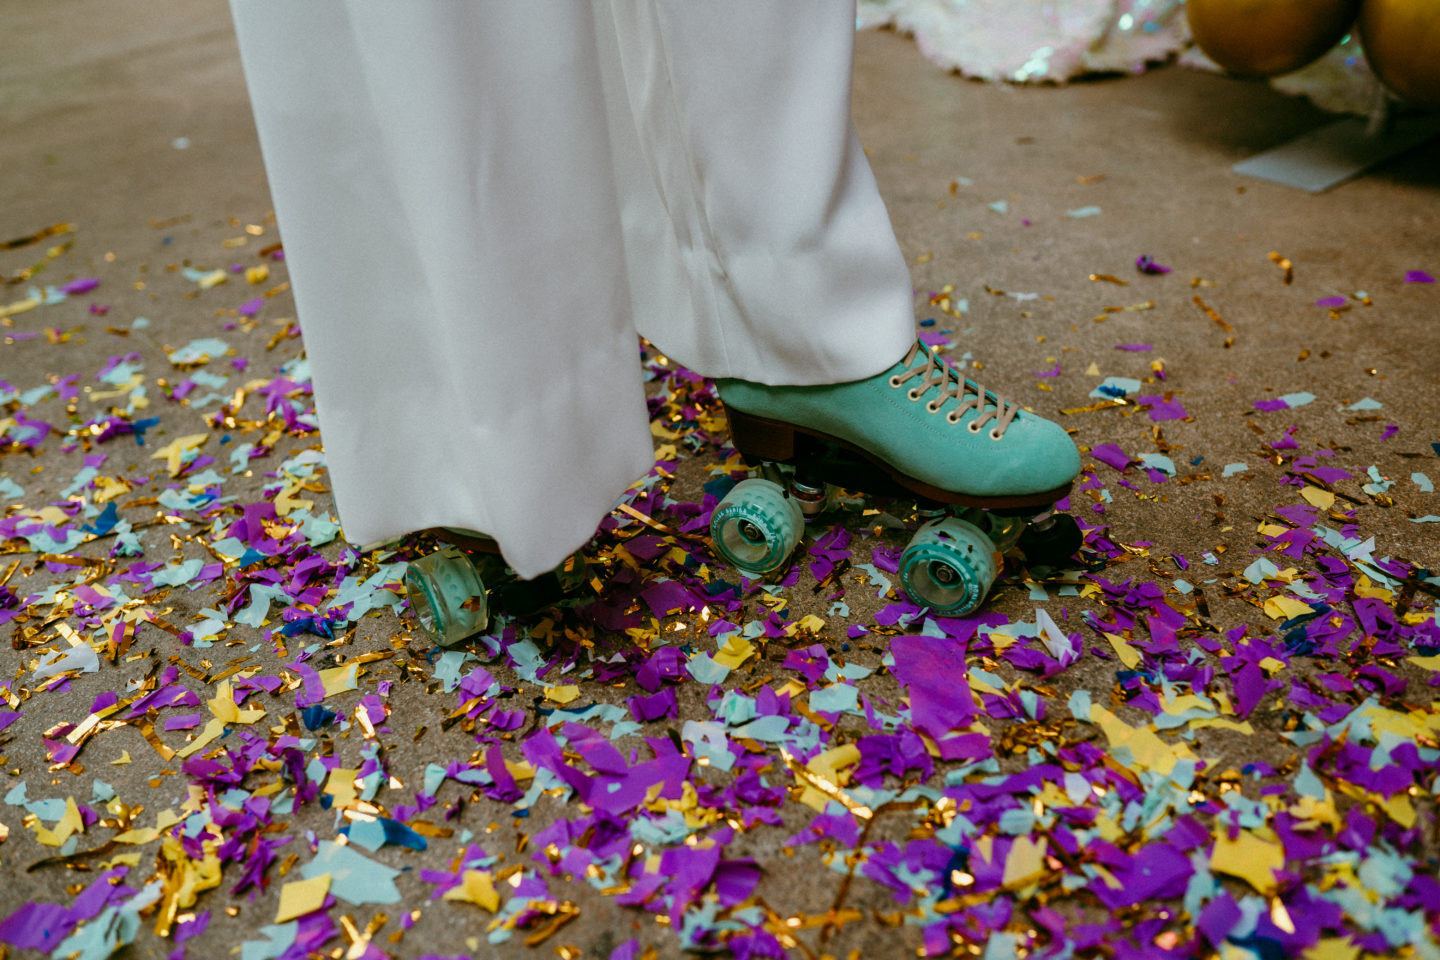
<point x="447" y="596"/>
<point x="949" y="566"/>
<point x="756" y="527"/>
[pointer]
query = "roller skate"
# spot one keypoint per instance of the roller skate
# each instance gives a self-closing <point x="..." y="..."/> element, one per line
<point x="454" y="591"/>
<point x="984" y="475"/>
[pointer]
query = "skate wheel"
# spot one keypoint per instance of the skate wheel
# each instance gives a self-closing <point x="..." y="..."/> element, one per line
<point x="949" y="566"/>
<point x="1053" y="544"/>
<point x="447" y="596"/>
<point x="756" y="527"/>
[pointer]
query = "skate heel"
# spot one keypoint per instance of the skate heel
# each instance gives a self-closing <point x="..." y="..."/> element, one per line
<point x="757" y="438"/>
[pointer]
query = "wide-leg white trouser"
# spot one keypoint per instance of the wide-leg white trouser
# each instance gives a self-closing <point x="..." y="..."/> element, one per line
<point x="482" y="202"/>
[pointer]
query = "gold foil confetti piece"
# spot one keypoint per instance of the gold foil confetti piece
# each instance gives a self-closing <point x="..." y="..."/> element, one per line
<point x="1284" y="264"/>
<point x="1212" y="314"/>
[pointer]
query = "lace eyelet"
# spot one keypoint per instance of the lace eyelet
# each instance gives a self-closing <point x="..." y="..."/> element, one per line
<point x="895" y="382"/>
<point x="996" y="435"/>
<point x="973" y="427"/>
<point x="913" y="395"/>
<point x="952" y="417"/>
<point x="932" y="407"/>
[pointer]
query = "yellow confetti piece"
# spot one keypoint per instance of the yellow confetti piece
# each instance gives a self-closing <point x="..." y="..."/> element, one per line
<point x="212" y="279"/>
<point x="68" y="825"/>
<point x="123" y="759"/>
<point x="1146" y="747"/>
<point x="735" y="652"/>
<point x="1128" y="654"/>
<point x="477" y="887"/>
<point x="1333" y="948"/>
<point x="212" y="730"/>
<point x="339" y="679"/>
<point x="185" y="879"/>
<point x="1025" y="863"/>
<point x="1365" y="588"/>
<point x="1426" y="663"/>
<point x="831" y="768"/>
<point x="173" y="453"/>
<point x="1272" y="665"/>
<point x="299" y="897"/>
<point x="257" y="274"/>
<point x="121" y="860"/>
<point x="288" y="499"/>
<point x="341" y="785"/>
<point x="1221" y="723"/>
<point x="19" y="306"/>
<point x="1316" y="497"/>
<point x="224" y="708"/>
<point x="1272" y="529"/>
<point x="1284" y="607"/>
<point x="1248" y="858"/>
<point x="562" y="694"/>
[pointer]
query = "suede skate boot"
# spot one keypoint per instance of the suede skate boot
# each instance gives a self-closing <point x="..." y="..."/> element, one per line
<point x="921" y="423"/>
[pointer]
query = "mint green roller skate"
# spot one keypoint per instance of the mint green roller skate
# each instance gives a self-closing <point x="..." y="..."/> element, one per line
<point x="454" y="591"/>
<point x="976" y="466"/>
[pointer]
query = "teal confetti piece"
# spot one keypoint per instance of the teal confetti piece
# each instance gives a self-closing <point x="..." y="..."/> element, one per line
<point x="1083" y="212"/>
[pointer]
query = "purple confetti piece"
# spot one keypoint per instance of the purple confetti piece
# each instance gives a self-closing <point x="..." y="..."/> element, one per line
<point x="81" y="285"/>
<point x="1418" y="276"/>
<point x="1146" y="264"/>
<point x="1330" y="302"/>
<point x="1111" y="455"/>
<point x="1135" y="347"/>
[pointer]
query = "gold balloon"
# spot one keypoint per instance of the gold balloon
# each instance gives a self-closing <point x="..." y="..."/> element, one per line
<point x="1263" y="38"/>
<point x="1402" y="43"/>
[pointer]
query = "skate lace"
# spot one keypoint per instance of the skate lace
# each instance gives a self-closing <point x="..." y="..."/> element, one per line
<point x="937" y="372"/>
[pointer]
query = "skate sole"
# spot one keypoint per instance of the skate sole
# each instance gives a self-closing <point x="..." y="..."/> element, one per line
<point x="760" y="438"/>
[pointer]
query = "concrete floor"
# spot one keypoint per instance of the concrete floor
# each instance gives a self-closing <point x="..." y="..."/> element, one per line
<point x="131" y="122"/>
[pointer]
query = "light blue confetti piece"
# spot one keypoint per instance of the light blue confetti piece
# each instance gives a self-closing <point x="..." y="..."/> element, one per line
<point x="999" y="206"/>
<point x="207" y="379"/>
<point x="317" y="531"/>
<point x="43" y="542"/>
<point x="112" y="929"/>
<point x="1210" y="559"/>
<point x="1000" y="946"/>
<point x="1184" y="586"/>
<point x="1233" y="468"/>
<point x="704" y="669"/>
<point x="369" y="834"/>
<point x="877" y="578"/>
<point x="261" y="594"/>
<point x="240" y="457"/>
<point x="1262" y="568"/>
<point x="176" y="574"/>
<point x="1298" y="399"/>
<point x="1038" y="592"/>
<point x="51" y="809"/>
<point x="767" y="729"/>
<point x="1083" y="212"/>
<point x="279" y="937"/>
<point x="1079" y="704"/>
<point x="354" y="878"/>
<point x="101" y="792"/>
<point x="1428" y="518"/>
<point x="1158" y="461"/>
<point x="198" y="351"/>
<point x="839" y="609"/>
<point x="851" y="671"/>
<point x="1425" y="484"/>
<point x="835" y="699"/>
<point x="447" y="668"/>
<point x="1113" y="387"/>
<point x="10" y="490"/>
<point x="1368" y="403"/>
<point x="16" y="795"/>
<point x="36" y="394"/>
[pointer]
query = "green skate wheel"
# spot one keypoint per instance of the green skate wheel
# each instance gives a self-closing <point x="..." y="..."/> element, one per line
<point x="756" y="527"/>
<point x="447" y="596"/>
<point x="949" y="566"/>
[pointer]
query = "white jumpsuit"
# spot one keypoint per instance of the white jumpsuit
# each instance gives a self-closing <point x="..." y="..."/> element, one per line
<point x="482" y="202"/>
